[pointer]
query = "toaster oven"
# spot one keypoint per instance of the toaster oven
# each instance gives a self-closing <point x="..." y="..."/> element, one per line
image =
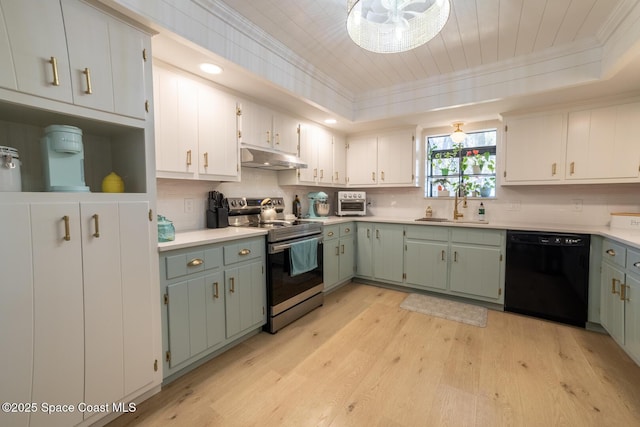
<point x="351" y="203"/>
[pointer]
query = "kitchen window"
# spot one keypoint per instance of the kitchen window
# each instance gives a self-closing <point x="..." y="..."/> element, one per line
<point x="468" y="168"/>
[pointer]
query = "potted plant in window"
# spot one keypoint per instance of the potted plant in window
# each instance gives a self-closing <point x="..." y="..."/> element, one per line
<point x="479" y="160"/>
<point x="486" y="185"/>
<point x="446" y="162"/>
<point x="443" y="187"/>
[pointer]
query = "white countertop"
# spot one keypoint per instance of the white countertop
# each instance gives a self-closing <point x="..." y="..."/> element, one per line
<point x="216" y="235"/>
<point x="210" y="235"/>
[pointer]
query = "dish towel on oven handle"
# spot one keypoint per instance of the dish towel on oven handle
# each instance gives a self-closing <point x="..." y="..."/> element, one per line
<point x="303" y="256"/>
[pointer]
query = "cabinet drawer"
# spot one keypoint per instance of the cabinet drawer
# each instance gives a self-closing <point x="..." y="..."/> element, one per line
<point x="346" y="229"/>
<point x="614" y="253"/>
<point x="633" y="261"/>
<point x="193" y="262"/>
<point x="425" y="232"/>
<point x="330" y="232"/>
<point x="243" y="251"/>
<point x="476" y="236"/>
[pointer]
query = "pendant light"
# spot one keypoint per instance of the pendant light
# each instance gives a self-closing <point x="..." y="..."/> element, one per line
<point x="458" y="135"/>
<point x="390" y="26"/>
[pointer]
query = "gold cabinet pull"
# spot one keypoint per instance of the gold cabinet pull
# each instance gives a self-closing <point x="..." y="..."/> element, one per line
<point x="368" y="233"/>
<point x="347" y="230"/>
<point x="268" y="137"/>
<point x="216" y="295"/>
<point x="442" y="255"/>
<point x="330" y="234"/>
<point x="87" y="75"/>
<point x="373" y="176"/>
<point x="206" y="160"/>
<point x="321" y="173"/>
<point x="96" y="224"/>
<point x="315" y="172"/>
<point x="67" y="233"/>
<point x="382" y="175"/>
<point x="553" y="169"/>
<point x="277" y="138"/>
<point x="611" y="252"/>
<point x="337" y="250"/>
<point x="572" y="168"/>
<point x="337" y="176"/>
<point x="244" y="252"/>
<point x="623" y="292"/>
<point x="188" y="157"/>
<point x="232" y="288"/>
<point x="195" y="262"/>
<point x="377" y="234"/>
<point x="455" y="256"/>
<point x="636" y="264"/>
<point x="613" y="285"/>
<point x="54" y="65"/>
<point x="146" y="106"/>
<point x="342" y="249"/>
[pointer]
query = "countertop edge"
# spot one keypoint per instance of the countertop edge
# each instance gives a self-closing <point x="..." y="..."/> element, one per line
<point x="192" y="238"/>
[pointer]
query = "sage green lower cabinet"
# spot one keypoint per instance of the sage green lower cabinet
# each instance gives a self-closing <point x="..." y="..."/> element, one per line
<point x="213" y="295"/>
<point x="364" y="250"/>
<point x="379" y="252"/>
<point x="620" y="296"/>
<point x="338" y="255"/>
<point x="455" y="260"/>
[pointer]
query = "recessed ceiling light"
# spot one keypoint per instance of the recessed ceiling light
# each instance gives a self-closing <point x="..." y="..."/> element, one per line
<point x="210" y="68"/>
<point x="331" y="121"/>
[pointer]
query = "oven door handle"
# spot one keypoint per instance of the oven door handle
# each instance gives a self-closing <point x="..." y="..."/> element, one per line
<point x="277" y="248"/>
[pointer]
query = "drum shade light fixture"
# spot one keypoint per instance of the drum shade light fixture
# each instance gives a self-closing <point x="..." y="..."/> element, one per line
<point x="391" y="26"/>
<point x="458" y="135"/>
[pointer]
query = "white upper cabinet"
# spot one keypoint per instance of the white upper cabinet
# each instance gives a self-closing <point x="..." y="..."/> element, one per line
<point x="600" y="143"/>
<point x="76" y="54"/>
<point x="586" y="145"/>
<point x="39" y="47"/>
<point x="534" y="148"/>
<point x="339" y="160"/>
<point x="259" y="126"/>
<point x="383" y="160"/>
<point x="7" y="74"/>
<point x="195" y="129"/>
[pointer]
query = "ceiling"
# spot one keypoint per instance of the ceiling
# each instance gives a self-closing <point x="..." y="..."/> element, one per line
<point x="481" y="38"/>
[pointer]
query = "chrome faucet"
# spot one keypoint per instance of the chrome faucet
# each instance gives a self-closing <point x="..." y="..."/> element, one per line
<point x="456" y="213"/>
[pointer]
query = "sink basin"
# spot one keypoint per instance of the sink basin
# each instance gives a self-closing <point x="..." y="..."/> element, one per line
<point x="434" y="219"/>
<point x="470" y="221"/>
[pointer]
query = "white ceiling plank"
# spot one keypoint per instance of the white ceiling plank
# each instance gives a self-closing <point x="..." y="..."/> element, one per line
<point x="488" y="29"/>
<point x="510" y="13"/>
<point x="574" y="21"/>
<point x="532" y="13"/>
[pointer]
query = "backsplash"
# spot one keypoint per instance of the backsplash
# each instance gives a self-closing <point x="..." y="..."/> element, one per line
<point x="562" y="204"/>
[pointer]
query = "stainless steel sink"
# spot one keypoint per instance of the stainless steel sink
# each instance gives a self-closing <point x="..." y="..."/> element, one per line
<point x="434" y="219"/>
<point x="470" y="221"/>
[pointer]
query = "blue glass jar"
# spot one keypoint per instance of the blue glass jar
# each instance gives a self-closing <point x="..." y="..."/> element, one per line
<point x="166" y="230"/>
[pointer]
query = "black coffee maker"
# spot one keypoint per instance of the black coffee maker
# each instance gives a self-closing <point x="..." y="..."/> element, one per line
<point x="217" y="210"/>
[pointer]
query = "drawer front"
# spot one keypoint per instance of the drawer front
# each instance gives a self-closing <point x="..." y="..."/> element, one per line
<point x="186" y="263"/>
<point x="633" y="261"/>
<point x="213" y="257"/>
<point x="330" y="232"/>
<point x="614" y="253"/>
<point x="243" y="251"/>
<point x="347" y="229"/>
<point x="426" y="232"/>
<point x="477" y="236"/>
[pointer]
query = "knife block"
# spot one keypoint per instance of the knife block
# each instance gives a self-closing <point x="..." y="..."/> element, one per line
<point x="222" y="217"/>
<point x="212" y="218"/>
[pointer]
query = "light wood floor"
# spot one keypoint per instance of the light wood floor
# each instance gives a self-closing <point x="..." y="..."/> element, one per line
<point x="360" y="360"/>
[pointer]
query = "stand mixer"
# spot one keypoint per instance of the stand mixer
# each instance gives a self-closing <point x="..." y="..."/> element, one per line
<point x="318" y="204"/>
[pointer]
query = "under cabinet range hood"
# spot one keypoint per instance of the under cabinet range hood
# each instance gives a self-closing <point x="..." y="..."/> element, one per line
<point x="266" y="159"/>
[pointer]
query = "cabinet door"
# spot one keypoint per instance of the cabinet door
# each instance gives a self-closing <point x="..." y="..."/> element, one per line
<point x="331" y="262"/>
<point x="128" y="68"/>
<point x="395" y="158"/>
<point x="137" y="294"/>
<point x="35" y="39"/>
<point x="58" y="362"/>
<point x="388" y="252"/>
<point x="214" y="297"/>
<point x="362" y="161"/>
<point x="257" y="125"/>
<point x="632" y="317"/>
<point x="103" y="327"/>
<point x="325" y="157"/>
<point x="285" y="131"/>
<point x="364" y="253"/>
<point x="89" y="58"/>
<point x="309" y="153"/>
<point x="346" y="250"/>
<point x="475" y="270"/>
<point x="176" y="122"/>
<point x="7" y="73"/>
<point x="339" y="160"/>
<point x="598" y="145"/>
<point x="16" y="310"/>
<point x="178" y="323"/>
<point x="611" y="307"/>
<point x="245" y="298"/>
<point x="543" y="135"/>
<point x="217" y="142"/>
<point x="426" y="263"/>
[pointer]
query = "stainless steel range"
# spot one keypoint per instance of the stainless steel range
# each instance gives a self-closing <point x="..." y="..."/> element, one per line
<point x="294" y="260"/>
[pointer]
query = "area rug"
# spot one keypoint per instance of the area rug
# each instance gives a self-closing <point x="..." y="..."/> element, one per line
<point x="451" y="310"/>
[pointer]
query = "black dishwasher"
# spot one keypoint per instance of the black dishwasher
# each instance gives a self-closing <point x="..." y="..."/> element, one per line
<point x="547" y="275"/>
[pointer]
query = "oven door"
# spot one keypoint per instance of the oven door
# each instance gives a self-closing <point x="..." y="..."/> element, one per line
<point x="351" y="207"/>
<point x="283" y="290"/>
